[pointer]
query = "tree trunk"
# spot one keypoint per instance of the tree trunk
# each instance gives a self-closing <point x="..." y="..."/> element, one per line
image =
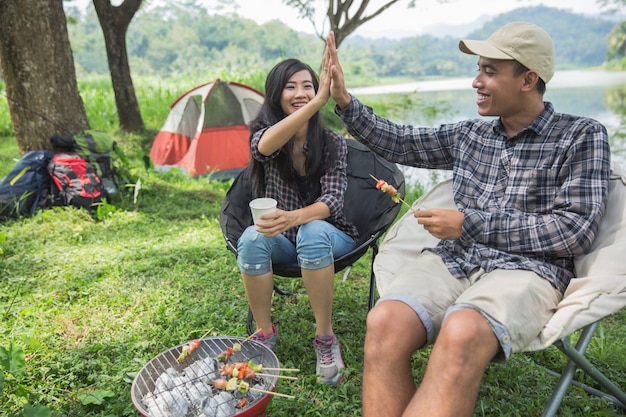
<point x="343" y="21"/>
<point x="38" y="70"/>
<point x="341" y="15"/>
<point x="114" y="21"/>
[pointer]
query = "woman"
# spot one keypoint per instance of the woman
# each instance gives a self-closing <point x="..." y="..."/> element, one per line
<point x="302" y="164"/>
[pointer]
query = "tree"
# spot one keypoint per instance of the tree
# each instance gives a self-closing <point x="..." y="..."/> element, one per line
<point x="38" y="70"/>
<point x="617" y="42"/>
<point x="343" y="18"/>
<point x="611" y="6"/>
<point x="114" y="21"/>
<point x="617" y="38"/>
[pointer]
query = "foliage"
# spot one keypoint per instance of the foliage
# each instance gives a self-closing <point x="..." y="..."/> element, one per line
<point x="183" y="40"/>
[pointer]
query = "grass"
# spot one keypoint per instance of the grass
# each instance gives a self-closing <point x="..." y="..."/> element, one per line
<point x="86" y="301"/>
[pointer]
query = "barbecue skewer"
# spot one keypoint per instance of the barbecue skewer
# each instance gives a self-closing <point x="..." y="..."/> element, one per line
<point x="191" y="346"/>
<point x="281" y="369"/>
<point x="293" y="378"/>
<point x="291" y="397"/>
<point x="394" y="196"/>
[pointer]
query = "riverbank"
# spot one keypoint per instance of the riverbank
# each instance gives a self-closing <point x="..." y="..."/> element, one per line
<point x="562" y="79"/>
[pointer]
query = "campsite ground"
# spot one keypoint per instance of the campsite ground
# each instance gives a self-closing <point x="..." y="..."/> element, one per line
<point x="86" y="301"/>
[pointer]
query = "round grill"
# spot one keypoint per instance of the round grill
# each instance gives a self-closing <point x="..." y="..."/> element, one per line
<point x="167" y="388"/>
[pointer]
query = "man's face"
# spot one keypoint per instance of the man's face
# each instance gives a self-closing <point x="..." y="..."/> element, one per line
<point x="498" y="87"/>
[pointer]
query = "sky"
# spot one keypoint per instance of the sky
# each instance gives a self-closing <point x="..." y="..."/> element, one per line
<point x="398" y="20"/>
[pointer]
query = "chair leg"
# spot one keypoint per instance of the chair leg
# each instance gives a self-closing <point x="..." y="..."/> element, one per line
<point x="249" y="321"/>
<point x="372" y="296"/>
<point x="577" y="359"/>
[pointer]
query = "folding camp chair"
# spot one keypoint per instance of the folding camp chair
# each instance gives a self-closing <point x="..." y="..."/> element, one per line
<point x="369" y="209"/>
<point x="599" y="290"/>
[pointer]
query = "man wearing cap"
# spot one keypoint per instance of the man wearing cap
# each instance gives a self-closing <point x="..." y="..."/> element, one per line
<point x="530" y="188"/>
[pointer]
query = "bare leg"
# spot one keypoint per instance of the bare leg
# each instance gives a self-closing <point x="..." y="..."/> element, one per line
<point x="462" y="351"/>
<point x="394" y="333"/>
<point x="259" y="289"/>
<point x="320" y="285"/>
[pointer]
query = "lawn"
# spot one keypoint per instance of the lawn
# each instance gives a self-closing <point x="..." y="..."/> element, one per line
<point x="87" y="300"/>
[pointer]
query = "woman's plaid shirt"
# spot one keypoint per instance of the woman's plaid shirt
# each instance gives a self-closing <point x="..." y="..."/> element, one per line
<point x="333" y="183"/>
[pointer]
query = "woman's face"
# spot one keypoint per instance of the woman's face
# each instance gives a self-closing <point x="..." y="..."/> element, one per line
<point x="297" y="92"/>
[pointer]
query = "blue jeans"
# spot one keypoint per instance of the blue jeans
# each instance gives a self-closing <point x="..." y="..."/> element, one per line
<point x="318" y="243"/>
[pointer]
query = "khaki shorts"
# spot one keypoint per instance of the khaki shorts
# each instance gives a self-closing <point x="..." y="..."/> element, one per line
<point x="517" y="303"/>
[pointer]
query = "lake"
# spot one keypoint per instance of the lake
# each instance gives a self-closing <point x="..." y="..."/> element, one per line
<point x="600" y="95"/>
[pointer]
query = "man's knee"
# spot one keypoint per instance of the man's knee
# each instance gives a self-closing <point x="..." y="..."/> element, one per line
<point x="394" y="325"/>
<point x="466" y="327"/>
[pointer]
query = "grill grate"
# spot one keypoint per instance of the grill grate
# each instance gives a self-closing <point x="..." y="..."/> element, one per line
<point x="167" y="388"/>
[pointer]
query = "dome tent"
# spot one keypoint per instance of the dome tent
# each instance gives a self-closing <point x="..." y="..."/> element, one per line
<point x="206" y="130"/>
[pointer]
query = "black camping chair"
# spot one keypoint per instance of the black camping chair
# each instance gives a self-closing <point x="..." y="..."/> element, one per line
<point x="369" y="209"/>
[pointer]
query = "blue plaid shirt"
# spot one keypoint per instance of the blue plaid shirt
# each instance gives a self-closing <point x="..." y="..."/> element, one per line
<point x="334" y="183"/>
<point x="531" y="202"/>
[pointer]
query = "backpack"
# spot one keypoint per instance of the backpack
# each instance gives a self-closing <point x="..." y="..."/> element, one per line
<point x="26" y="188"/>
<point x="96" y="148"/>
<point x="75" y="181"/>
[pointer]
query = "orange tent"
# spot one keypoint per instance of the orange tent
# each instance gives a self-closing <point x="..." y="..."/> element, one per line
<point x="206" y="130"/>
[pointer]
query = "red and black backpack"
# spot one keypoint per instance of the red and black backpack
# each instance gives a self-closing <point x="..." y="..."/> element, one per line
<point x="75" y="181"/>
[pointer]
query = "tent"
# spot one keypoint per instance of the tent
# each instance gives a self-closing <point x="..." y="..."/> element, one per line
<point x="206" y="131"/>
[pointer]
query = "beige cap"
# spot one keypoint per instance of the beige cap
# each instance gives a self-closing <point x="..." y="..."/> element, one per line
<point x="524" y="42"/>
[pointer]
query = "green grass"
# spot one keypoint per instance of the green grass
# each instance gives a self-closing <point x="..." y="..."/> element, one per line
<point x="86" y="301"/>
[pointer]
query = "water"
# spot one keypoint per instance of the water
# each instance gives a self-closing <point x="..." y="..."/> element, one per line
<point x="600" y="95"/>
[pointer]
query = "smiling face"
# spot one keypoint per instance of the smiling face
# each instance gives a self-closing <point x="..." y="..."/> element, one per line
<point x="499" y="88"/>
<point x="297" y="92"/>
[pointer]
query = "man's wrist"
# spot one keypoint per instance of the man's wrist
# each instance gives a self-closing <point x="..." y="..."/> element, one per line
<point x="344" y="100"/>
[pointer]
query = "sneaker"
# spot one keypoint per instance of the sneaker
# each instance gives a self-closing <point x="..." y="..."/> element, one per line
<point x="268" y="340"/>
<point x="330" y="365"/>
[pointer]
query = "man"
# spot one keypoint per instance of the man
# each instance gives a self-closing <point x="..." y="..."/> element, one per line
<point x="530" y="187"/>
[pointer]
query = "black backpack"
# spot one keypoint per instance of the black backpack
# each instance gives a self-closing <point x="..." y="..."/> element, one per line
<point x="75" y="181"/>
<point x="26" y="188"/>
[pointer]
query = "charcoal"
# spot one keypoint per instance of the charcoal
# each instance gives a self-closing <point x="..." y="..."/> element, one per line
<point x="166" y="404"/>
<point x="220" y="405"/>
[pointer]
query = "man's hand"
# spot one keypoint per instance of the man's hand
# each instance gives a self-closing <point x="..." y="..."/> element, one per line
<point x="338" y="86"/>
<point x="441" y="223"/>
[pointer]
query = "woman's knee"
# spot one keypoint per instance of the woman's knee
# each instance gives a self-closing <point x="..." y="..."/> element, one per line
<point x="313" y="234"/>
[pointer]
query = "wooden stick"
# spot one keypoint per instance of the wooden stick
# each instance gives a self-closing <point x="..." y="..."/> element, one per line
<point x="291" y="397"/>
<point x="281" y="369"/>
<point x="250" y="337"/>
<point x="399" y="199"/>
<point x="207" y="333"/>
<point x="278" y="376"/>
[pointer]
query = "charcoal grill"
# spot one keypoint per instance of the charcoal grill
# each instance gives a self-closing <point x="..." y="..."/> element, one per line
<point x="167" y="388"/>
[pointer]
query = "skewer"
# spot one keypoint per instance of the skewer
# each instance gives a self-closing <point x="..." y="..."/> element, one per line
<point x="206" y="334"/>
<point x="291" y="397"/>
<point x="281" y="369"/>
<point x="399" y="199"/>
<point x="250" y="337"/>
<point x="293" y="378"/>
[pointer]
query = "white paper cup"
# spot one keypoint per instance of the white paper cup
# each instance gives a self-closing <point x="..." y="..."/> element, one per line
<point x="261" y="206"/>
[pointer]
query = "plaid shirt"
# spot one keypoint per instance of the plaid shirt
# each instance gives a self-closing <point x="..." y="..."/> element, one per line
<point x="531" y="202"/>
<point x="334" y="183"/>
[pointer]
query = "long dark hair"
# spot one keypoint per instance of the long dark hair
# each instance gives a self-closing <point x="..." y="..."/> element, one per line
<point x="271" y="113"/>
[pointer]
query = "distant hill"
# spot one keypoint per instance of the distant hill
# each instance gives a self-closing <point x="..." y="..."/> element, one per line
<point x="580" y="41"/>
<point x="179" y="40"/>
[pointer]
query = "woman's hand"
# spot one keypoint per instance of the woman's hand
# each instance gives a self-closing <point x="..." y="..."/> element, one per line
<point x="323" y="92"/>
<point x="273" y="224"/>
<point x="280" y="221"/>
